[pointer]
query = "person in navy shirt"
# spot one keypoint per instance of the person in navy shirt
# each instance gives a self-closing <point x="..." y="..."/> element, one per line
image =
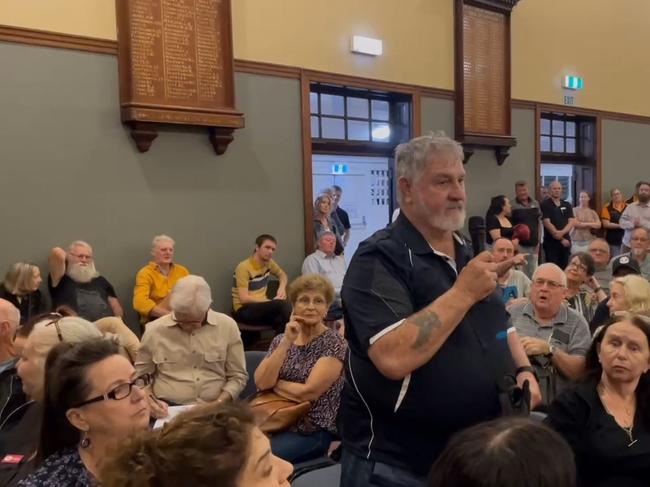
<point x="428" y="336"/>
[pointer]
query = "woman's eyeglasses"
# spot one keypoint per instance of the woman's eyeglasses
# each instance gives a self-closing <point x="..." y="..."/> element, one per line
<point x="120" y="392"/>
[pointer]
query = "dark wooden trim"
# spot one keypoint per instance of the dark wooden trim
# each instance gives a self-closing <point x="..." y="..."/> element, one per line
<point x="54" y="39"/>
<point x="308" y="190"/>
<point x="538" y="153"/>
<point x="267" y="69"/>
<point x="416" y="114"/>
<point x="42" y="38"/>
<point x="599" y="166"/>
<point x="500" y="6"/>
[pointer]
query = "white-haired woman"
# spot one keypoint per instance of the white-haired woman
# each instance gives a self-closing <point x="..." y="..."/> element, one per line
<point x="19" y="430"/>
<point x="154" y="282"/>
<point x="629" y="294"/>
<point x="20" y="287"/>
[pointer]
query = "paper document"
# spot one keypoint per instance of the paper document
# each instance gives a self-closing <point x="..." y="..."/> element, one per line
<point x="173" y="412"/>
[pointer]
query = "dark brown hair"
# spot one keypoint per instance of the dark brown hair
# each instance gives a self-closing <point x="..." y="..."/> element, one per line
<point x="507" y="452"/>
<point x="208" y="445"/>
<point x="67" y="384"/>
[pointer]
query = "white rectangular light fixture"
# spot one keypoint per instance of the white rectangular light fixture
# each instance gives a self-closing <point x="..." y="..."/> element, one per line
<point x="367" y="45"/>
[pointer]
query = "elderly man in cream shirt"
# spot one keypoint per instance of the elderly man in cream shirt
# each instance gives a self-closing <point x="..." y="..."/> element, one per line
<point x="194" y="354"/>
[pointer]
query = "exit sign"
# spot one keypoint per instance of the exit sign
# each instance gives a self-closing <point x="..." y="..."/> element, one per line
<point x="573" y="83"/>
<point x="339" y="168"/>
<point x="569" y="100"/>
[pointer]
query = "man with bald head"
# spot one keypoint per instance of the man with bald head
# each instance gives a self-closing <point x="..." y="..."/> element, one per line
<point x="9" y="321"/>
<point x="599" y="251"/>
<point x="556" y="338"/>
<point x="514" y="283"/>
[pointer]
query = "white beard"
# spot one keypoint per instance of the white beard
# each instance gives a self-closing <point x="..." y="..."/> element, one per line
<point x="82" y="274"/>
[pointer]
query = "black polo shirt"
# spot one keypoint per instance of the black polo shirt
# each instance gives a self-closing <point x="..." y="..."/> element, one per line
<point x="558" y="215"/>
<point x="407" y="423"/>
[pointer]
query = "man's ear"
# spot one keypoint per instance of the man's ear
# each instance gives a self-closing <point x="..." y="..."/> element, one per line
<point x="405" y="190"/>
<point x="77" y="419"/>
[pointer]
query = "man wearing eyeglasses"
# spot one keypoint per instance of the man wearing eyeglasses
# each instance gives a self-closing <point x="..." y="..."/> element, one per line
<point x="75" y="282"/>
<point x="194" y="354"/>
<point x="599" y="251"/>
<point x="556" y="338"/>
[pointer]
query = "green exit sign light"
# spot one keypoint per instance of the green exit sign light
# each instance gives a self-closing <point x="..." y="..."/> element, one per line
<point x="573" y="83"/>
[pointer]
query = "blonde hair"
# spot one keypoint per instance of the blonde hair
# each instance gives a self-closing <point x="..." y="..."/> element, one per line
<point x="318" y="201"/>
<point x="161" y="238"/>
<point x="311" y="282"/>
<point x="636" y="290"/>
<point x="45" y="336"/>
<point x="19" y="278"/>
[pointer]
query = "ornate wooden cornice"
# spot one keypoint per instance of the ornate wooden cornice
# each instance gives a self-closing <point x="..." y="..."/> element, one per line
<point x="505" y="6"/>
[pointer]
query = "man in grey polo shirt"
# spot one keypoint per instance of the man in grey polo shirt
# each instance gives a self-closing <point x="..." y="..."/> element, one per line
<point x="555" y="337"/>
<point x="326" y="263"/>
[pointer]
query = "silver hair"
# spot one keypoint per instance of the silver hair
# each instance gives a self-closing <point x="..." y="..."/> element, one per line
<point x="550" y="265"/>
<point x="8" y="312"/>
<point x="79" y="243"/>
<point x="324" y="233"/>
<point x="161" y="238"/>
<point x="412" y="157"/>
<point x="190" y="295"/>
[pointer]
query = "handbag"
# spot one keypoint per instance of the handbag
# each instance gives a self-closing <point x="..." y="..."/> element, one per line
<point x="275" y="412"/>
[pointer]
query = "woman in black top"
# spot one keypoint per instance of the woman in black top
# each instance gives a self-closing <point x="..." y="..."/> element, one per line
<point x="606" y="418"/>
<point x="20" y="287"/>
<point x="497" y="219"/>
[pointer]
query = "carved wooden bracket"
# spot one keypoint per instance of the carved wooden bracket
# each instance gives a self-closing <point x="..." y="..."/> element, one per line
<point x="143" y="134"/>
<point x="220" y="138"/>
<point x="500" y="145"/>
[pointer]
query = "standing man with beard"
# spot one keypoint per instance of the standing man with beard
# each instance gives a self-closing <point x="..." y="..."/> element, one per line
<point x="74" y="282"/>
<point x="427" y="335"/>
<point x="636" y="215"/>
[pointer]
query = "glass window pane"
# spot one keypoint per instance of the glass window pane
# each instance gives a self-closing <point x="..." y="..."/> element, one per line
<point x="558" y="144"/>
<point x="545" y="144"/>
<point x="558" y="127"/>
<point x="379" y="110"/>
<point x="545" y="126"/>
<point x="380" y="132"/>
<point x="313" y="102"/>
<point x="332" y="128"/>
<point x="571" y="129"/>
<point x="314" y="127"/>
<point x="358" y="130"/>
<point x="571" y="145"/>
<point x="331" y="105"/>
<point x="358" y="107"/>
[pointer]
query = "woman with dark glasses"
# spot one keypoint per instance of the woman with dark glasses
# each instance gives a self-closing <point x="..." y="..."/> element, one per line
<point x="92" y="401"/>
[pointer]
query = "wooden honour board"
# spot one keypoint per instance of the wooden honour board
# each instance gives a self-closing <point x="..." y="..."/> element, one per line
<point x="485" y="72"/>
<point x="176" y="62"/>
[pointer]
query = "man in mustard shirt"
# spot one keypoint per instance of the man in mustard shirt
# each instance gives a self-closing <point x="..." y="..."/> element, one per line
<point x="249" y="300"/>
<point x="154" y="282"/>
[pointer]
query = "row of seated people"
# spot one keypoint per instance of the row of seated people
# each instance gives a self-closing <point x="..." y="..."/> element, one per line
<point x="75" y="282"/>
<point x="192" y="355"/>
<point x="94" y="413"/>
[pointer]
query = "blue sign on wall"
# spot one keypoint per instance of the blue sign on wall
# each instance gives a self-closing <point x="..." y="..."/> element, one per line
<point x="339" y="168"/>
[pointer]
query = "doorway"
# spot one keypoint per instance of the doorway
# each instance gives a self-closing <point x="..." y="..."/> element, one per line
<point x="367" y="193"/>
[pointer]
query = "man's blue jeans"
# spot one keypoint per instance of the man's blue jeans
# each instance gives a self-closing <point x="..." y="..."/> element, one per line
<point x="295" y="448"/>
<point x="360" y="472"/>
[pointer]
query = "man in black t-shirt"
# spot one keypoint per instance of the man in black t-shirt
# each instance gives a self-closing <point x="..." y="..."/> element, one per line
<point x="342" y="215"/>
<point x="428" y="338"/>
<point x="558" y="219"/>
<point x="74" y="282"/>
<point x="525" y="210"/>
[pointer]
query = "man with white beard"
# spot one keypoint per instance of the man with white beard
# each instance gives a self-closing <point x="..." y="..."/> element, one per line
<point x="74" y="282"/>
<point x="428" y="336"/>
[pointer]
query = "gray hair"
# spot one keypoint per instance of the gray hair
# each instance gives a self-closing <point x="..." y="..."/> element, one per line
<point x="79" y="243"/>
<point x="8" y="312"/>
<point x="412" y="157"/>
<point x="191" y="294"/>
<point x="325" y="233"/>
<point x="550" y="265"/>
<point x="161" y="238"/>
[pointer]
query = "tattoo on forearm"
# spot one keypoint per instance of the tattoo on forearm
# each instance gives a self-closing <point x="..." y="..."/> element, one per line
<point x="427" y="321"/>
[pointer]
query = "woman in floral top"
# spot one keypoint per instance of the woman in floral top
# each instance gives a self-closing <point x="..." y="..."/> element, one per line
<point x="92" y="401"/>
<point x="305" y="363"/>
